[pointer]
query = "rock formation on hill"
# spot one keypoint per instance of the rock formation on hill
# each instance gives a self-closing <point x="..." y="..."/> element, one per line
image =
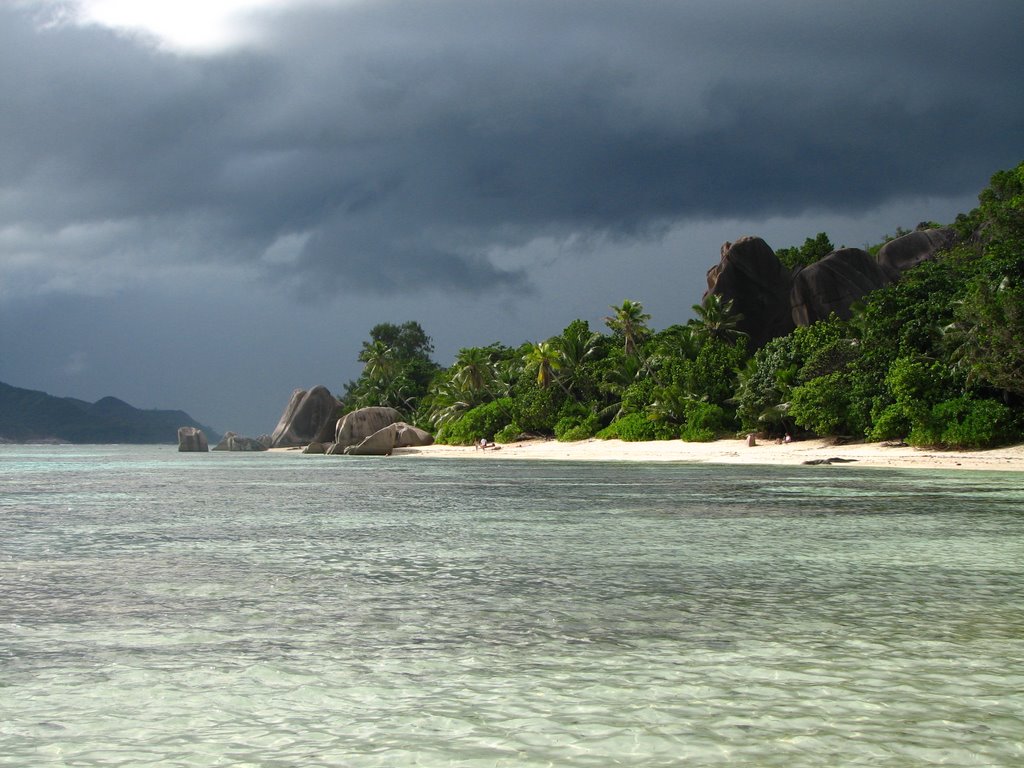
<point x="304" y="417"/>
<point x="899" y="255"/>
<point x="752" y="277"/>
<point x="773" y="300"/>
<point x="833" y="284"/>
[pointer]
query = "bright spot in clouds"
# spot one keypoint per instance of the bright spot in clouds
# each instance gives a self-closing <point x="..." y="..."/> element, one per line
<point x="196" y="25"/>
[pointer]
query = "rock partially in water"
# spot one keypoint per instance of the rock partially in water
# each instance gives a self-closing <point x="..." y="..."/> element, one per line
<point x="304" y="417"/>
<point x="192" y="440"/>
<point x="234" y="442"/>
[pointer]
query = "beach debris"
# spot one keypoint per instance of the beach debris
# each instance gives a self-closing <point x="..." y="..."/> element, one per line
<point x="833" y="460"/>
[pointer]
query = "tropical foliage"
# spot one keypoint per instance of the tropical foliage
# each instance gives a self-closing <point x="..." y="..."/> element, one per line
<point x="935" y="359"/>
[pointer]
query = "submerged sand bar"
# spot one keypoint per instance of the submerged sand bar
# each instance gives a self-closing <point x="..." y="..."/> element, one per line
<point x="737" y="452"/>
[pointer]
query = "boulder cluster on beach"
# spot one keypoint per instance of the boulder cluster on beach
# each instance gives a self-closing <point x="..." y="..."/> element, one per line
<point x="312" y="421"/>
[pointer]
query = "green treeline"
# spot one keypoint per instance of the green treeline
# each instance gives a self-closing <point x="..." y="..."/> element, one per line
<point x="936" y="359"/>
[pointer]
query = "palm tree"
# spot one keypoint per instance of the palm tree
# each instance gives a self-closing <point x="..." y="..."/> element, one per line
<point x="379" y="361"/>
<point x="545" y="358"/>
<point x="630" y="321"/>
<point x="717" y="320"/>
<point x="447" y="403"/>
<point x="576" y="346"/>
<point x="613" y="384"/>
<point x="473" y="371"/>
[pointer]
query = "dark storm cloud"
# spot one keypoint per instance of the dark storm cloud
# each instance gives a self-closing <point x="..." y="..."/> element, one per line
<point x="394" y="144"/>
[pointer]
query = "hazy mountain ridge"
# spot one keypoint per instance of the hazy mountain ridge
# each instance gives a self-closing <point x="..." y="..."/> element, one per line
<point x="28" y="415"/>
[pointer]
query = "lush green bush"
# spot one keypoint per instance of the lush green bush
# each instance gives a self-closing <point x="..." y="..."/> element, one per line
<point x="892" y="423"/>
<point x="636" y="427"/>
<point x="765" y="385"/>
<point x="508" y="433"/>
<point x="483" y="421"/>
<point x="964" y="422"/>
<point x="572" y="428"/>
<point x="704" y="422"/>
<point x="536" y="409"/>
<point x="638" y="396"/>
<point x="712" y="375"/>
<point x="822" y="405"/>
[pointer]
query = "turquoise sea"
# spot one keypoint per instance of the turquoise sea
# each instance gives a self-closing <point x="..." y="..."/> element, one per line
<point x="166" y="609"/>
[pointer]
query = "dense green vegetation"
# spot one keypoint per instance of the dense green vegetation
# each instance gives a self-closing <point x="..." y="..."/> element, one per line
<point x="936" y="359"/>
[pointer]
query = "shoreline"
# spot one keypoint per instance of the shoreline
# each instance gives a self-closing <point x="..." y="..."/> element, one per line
<point x="736" y="451"/>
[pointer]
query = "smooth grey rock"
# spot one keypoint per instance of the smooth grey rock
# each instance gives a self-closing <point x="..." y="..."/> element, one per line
<point x="380" y="443"/>
<point x="903" y="253"/>
<point x="314" y="447"/>
<point x="833" y="284"/>
<point x="412" y="437"/>
<point x="304" y="417"/>
<point x="234" y="442"/>
<point x="384" y="441"/>
<point x="192" y="440"/>
<point x="358" y="425"/>
<point x="751" y="276"/>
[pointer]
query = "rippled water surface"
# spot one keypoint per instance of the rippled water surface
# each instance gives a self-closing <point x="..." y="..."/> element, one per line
<point x="159" y="608"/>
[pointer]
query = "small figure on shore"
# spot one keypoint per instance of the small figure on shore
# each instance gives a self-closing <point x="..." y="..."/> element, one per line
<point x="751" y="440"/>
<point x="482" y="444"/>
<point x="788" y="438"/>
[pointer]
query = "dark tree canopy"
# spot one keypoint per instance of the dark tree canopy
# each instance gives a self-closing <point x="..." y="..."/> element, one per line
<point x="408" y="341"/>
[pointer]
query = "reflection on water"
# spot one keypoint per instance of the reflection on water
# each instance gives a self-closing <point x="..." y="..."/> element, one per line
<point x="159" y="608"/>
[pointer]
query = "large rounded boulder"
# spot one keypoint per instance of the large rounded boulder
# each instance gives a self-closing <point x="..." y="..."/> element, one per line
<point x="751" y="276"/>
<point x="385" y="440"/>
<point x="358" y="425"/>
<point x="833" y="284"/>
<point x="304" y="417"/>
<point x="903" y="253"/>
<point x="412" y="437"/>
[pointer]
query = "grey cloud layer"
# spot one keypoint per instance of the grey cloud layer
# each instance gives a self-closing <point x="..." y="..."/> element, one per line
<point x="400" y="143"/>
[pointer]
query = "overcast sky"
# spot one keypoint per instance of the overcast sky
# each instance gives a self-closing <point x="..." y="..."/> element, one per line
<point x="206" y="205"/>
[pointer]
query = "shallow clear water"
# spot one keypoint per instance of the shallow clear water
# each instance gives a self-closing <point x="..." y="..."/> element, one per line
<point x="159" y="608"/>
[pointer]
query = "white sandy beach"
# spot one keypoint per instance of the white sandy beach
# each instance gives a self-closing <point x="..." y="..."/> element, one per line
<point x="737" y="452"/>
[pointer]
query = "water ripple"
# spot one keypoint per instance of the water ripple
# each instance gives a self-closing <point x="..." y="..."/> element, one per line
<point x="274" y="610"/>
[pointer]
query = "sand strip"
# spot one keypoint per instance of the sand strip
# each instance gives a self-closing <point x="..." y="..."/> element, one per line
<point x="737" y="452"/>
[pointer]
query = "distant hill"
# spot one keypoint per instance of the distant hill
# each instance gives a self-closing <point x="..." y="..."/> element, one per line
<point x="27" y="415"/>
